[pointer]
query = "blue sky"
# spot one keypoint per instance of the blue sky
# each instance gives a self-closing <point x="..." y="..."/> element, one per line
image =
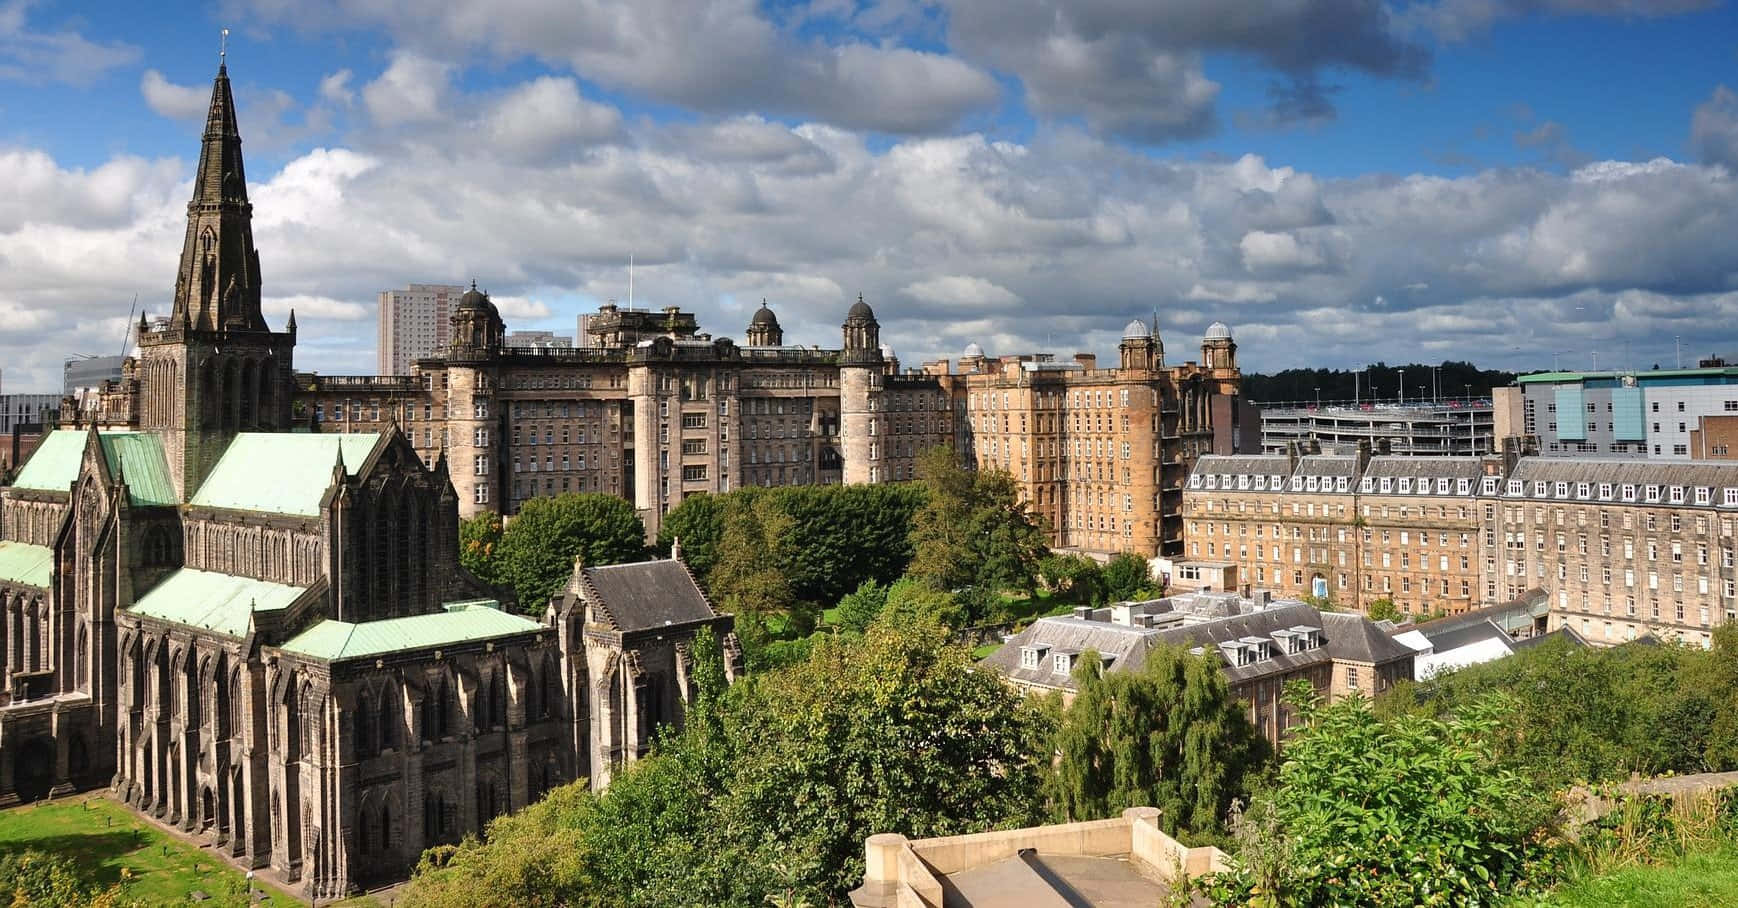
<point x="1493" y="180"/>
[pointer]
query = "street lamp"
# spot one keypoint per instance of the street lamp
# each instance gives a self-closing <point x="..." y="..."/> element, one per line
<point x="1318" y="398"/>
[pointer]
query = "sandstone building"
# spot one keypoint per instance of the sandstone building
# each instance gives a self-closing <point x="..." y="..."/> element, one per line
<point x="1622" y="548"/>
<point x="1262" y="644"/>
<point x="263" y="637"/>
<point x="654" y="410"/>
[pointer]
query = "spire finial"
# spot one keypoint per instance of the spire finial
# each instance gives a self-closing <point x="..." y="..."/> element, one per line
<point x="222" y="47"/>
<point x="473" y="283"/>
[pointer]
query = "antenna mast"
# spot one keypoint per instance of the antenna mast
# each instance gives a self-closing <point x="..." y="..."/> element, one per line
<point x="630" y="280"/>
<point x="127" y="332"/>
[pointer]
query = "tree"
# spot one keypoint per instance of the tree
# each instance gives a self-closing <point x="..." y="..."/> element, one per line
<point x="1383" y="609"/>
<point x="1127" y="577"/>
<point x="536" y="553"/>
<point x="771" y="786"/>
<point x="34" y="877"/>
<point x="699" y="523"/>
<point x="972" y="530"/>
<point x="1405" y="811"/>
<point x="479" y="538"/>
<point x="860" y="607"/>
<point x="747" y="575"/>
<point x="1075" y="578"/>
<point x="1169" y="736"/>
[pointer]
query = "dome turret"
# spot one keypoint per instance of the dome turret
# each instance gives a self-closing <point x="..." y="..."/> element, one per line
<point x="1136" y="329"/>
<point x="1218" y="331"/>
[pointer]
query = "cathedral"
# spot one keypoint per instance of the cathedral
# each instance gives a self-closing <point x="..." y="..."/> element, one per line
<point x="263" y="637"/>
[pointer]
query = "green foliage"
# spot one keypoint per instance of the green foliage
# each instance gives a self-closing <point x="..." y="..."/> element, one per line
<point x="1169" y="736"/>
<point x="1405" y="811"/>
<point x="770" y="788"/>
<point x="479" y="538"/>
<point x="973" y="530"/>
<point x="1378" y="381"/>
<point x="1383" y="609"/>
<point x="860" y="607"/>
<point x="1073" y="578"/>
<point x="836" y="538"/>
<point x="1127" y="577"/>
<point x="1594" y="714"/>
<point x="910" y="601"/>
<point x="699" y="523"/>
<point x="747" y="575"/>
<point x="39" y="878"/>
<point x="536" y="553"/>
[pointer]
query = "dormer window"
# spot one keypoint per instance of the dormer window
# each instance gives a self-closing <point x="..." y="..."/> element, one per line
<point x="1297" y="483"/>
<point x="1341" y="484"/>
<point x="1731" y="496"/>
<point x="1629" y="491"/>
<point x="1062" y="663"/>
<point x="1405" y="485"/>
<point x="1366" y="484"/>
<point x="1704" y="495"/>
<point x="1243" y="480"/>
<point x="1677" y="494"/>
<point x="1310" y="484"/>
<point x="1261" y="483"/>
<point x="1276" y="482"/>
<point x="1560" y="490"/>
<point x="1442" y="485"/>
<point x="1605" y="491"/>
<point x="1225" y="480"/>
<point x="1653" y="492"/>
<point x="1195" y="481"/>
<point x="1387" y="484"/>
<point x="1516" y="487"/>
<point x="1541" y="489"/>
<point x="1032" y="656"/>
<point x="1463" y="487"/>
<point x="1583" y="489"/>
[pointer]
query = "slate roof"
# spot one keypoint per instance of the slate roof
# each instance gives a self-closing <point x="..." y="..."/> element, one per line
<point x="136" y="457"/>
<point x="646" y="595"/>
<point x="1327" y="465"/>
<point x="1238" y="464"/>
<point x="1714" y="474"/>
<point x="1126" y="646"/>
<point x="1353" y="638"/>
<point x="214" y="601"/>
<point x="1425" y="467"/>
<point x="1258" y="624"/>
<point x="31" y="565"/>
<point x="282" y="472"/>
<point x="462" y="622"/>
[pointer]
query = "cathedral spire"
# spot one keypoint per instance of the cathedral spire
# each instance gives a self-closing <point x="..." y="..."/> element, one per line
<point x="217" y="288"/>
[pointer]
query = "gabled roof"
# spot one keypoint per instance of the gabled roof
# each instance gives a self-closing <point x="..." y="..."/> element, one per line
<point x="646" y="595"/>
<point x="213" y="601"/>
<point x="31" y="565"/>
<point x="283" y="472"/>
<point x="1125" y="646"/>
<point x="136" y="457"/>
<point x="1354" y="638"/>
<point x="461" y="622"/>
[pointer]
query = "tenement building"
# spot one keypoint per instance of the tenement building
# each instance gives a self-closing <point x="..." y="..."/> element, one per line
<point x="1622" y="548"/>
<point x="1262" y="643"/>
<point x="655" y="410"/>
<point x="1348" y="528"/>
<point x="263" y="637"/>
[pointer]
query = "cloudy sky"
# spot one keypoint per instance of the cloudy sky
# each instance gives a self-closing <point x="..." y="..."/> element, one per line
<point x="1340" y="180"/>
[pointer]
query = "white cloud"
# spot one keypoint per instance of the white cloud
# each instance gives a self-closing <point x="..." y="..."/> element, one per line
<point x="177" y="102"/>
<point x="335" y="88"/>
<point x="314" y="307"/>
<point x="411" y="90"/>
<point x="546" y="114"/>
<point x="32" y="55"/>
<point x="1714" y="128"/>
<point x="961" y="290"/>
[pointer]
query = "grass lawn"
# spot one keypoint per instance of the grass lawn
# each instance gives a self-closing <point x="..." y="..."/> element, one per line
<point x="102" y="837"/>
<point x="985" y="650"/>
<point x="1709" y="878"/>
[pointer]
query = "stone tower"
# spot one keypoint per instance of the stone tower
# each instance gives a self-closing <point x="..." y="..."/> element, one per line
<point x="473" y="417"/>
<point x="215" y="368"/>
<point x="763" y="329"/>
<point x="1218" y="350"/>
<point x="860" y="369"/>
<point x="1141" y="348"/>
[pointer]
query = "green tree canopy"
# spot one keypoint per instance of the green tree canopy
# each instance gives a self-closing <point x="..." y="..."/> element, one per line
<point x="1399" y="812"/>
<point x="479" y="537"/>
<point x="1075" y="578"/>
<point x="1383" y="609"/>
<point x="699" y="523"/>
<point x="1169" y="736"/>
<point x="536" y="552"/>
<point x="973" y="530"/>
<point x="771" y="787"/>
<point x="1127" y="577"/>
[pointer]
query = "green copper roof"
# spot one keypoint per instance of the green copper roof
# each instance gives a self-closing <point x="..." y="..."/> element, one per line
<point x="32" y="565"/>
<point x="136" y="457"/>
<point x="54" y="464"/>
<point x="281" y="473"/>
<point x="219" y="602"/>
<point x="462" y="622"/>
